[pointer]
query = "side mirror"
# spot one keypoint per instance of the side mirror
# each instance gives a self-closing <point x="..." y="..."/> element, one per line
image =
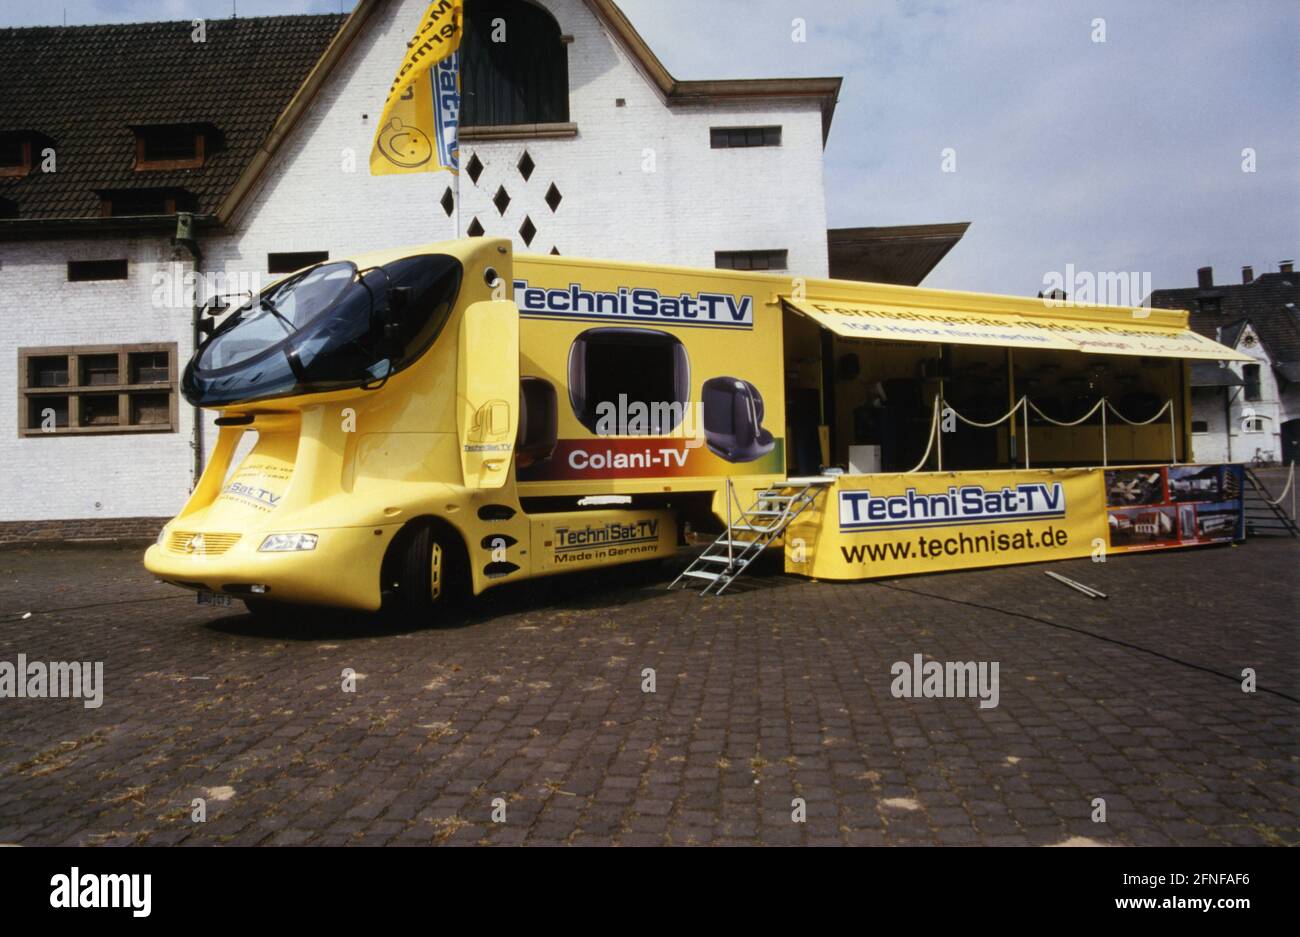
<point x="215" y="306"/>
<point x="208" y="313"/>
<point x="399" y="300"/>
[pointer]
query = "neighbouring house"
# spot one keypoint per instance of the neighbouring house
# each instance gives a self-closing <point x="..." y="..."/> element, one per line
<point x="253" y="136"/>
<point x="1242" y="412"/>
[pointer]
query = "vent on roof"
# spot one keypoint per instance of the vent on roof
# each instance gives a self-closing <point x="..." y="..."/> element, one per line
<point x="528" y="231"/>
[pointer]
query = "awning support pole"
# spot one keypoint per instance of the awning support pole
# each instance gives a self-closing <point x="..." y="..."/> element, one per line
<point x="730" y="559"/>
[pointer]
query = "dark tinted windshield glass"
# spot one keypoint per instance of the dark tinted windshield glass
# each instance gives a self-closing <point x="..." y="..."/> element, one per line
<point x="329" y="328"/>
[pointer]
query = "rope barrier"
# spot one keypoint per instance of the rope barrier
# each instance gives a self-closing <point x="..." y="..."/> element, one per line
<point x="1025" y="404"/>
<point x="1102" y="404"/>
<point x="934" y="431"/>
<point x="1087" y="416"/>
<point x="1289" y="479"/>
<point x="1168" y="406"/>
<point x="998" y="422"/>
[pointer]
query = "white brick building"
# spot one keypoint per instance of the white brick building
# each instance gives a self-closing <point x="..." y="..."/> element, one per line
<point x="638" y="170"/>
<point x="1243" y="412"/>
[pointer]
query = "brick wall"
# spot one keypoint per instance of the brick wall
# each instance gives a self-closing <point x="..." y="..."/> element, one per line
<point x="13" y="533"/>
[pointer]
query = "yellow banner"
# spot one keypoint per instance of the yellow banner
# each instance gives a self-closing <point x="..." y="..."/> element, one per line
<point x="1102" y="331"/>
<point x="870" y="526"/>
<point x="417" y="128"/>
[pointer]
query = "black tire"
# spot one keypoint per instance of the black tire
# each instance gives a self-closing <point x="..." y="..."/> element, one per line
<point x="430" y="575"/>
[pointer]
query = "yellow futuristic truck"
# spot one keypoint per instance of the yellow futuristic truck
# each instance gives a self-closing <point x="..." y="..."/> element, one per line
<point x="418" y="434"/>
<point x="413" y="424"/>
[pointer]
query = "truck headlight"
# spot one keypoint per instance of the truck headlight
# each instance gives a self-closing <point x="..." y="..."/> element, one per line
<point x="162" y="535"/>
<point x="287" y="543"/>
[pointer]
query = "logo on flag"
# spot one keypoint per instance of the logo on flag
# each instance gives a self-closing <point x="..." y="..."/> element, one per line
<point x="418" y="126"/>
<point x="446" y="110"/>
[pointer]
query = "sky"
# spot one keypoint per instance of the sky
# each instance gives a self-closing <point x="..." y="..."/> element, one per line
<point x="1066" y="153"/>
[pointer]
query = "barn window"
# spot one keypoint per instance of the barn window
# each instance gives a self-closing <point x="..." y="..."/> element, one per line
<point x="97" y="389"/>
<point x="523" y="79"/>
<point x="1250" y="374"/>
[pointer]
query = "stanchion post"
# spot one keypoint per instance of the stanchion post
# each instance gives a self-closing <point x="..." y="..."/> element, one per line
<point x="1104" y="463"/>
<point x="1173" y="436"/>
<point x="1027" y="432"/>
<point x="938" y="427"/>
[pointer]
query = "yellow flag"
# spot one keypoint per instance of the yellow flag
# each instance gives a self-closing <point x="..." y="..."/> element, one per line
<point x="417" y="128"/>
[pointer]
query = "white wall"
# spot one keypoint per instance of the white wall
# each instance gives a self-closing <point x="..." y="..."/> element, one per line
<point x="53" y="477"/>
<point x="1226" y="438"/>
<point x="695" y="201"/>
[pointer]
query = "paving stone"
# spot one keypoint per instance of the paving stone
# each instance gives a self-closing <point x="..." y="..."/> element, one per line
<point x="533" y="696"/>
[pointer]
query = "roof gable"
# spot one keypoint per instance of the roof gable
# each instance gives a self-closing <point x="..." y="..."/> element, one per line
<point x="1268" y="303"/>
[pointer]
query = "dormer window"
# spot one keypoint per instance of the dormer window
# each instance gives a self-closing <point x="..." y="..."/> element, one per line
<point x="15" y="155"/>
<point x="172" y="146"/>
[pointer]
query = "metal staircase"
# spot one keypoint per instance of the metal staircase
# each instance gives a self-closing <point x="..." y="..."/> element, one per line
<point x="1265" y="515"/>
<point x="750" y="533"/>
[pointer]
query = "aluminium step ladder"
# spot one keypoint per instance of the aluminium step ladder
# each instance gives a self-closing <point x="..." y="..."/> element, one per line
<point x="750" y="533"/>
<point x="1264" y="515"/>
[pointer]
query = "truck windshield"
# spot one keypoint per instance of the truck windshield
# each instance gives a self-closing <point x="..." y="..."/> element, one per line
<point x="327" y="328"/>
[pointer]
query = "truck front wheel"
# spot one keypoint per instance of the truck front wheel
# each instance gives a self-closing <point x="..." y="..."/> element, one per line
<point x="431" y="574"/>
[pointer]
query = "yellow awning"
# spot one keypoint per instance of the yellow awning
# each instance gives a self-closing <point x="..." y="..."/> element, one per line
<point x="1097" y="330"/>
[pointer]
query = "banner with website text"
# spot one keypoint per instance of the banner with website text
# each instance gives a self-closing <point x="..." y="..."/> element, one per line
<point x="870" y="526"/>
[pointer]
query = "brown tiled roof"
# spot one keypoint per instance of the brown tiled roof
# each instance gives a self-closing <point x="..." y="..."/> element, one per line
<point x="85" y="87"/>
<point x="1270" y="303"/>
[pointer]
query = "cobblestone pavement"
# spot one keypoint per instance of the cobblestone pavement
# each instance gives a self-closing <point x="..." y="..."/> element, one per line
<point x="771" y="694"/>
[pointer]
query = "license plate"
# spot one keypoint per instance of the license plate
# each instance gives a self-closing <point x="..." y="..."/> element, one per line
<point x="215" y="599"/>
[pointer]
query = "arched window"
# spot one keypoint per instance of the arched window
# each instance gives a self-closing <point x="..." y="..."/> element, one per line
<point x="523" y="80"/>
